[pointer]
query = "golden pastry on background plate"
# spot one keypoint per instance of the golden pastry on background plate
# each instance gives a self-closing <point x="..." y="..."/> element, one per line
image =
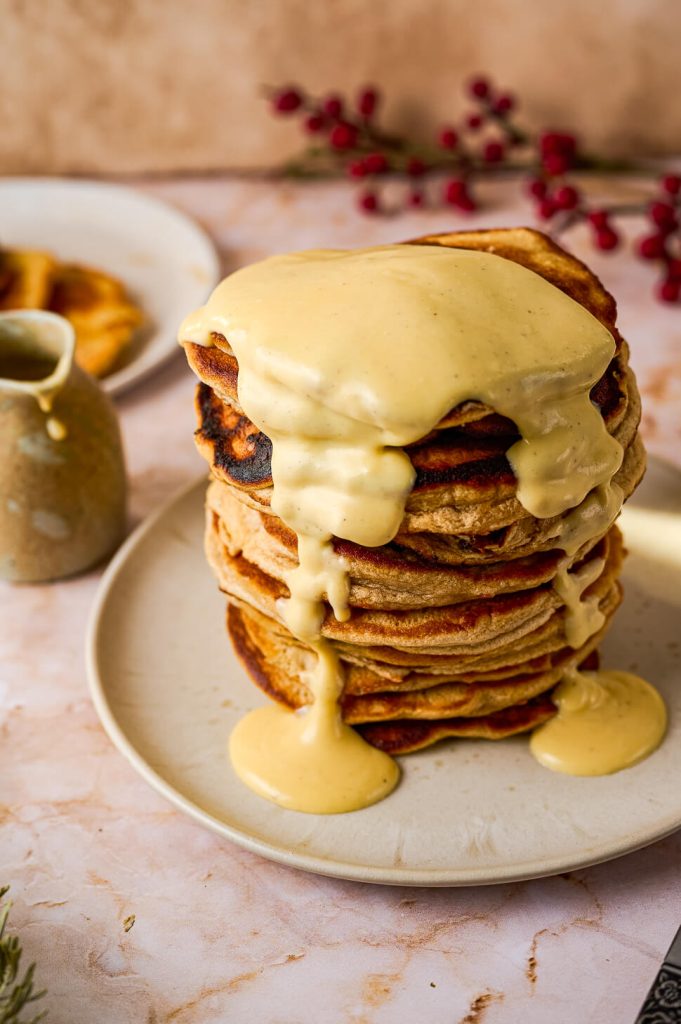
<point x="25" y="278"/>
<point x="104" y="317"/>
<point x="97" y="305"/>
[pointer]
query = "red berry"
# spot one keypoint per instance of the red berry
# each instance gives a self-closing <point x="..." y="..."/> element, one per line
<point x="549" y="142"/>
<point x="357" y="169"/>
<point x="662" y="214"/>
<point x="669" y="290"/>
<point x="375" y="163"/>
<point x="333" y="106"/>
<point x="599" y="218"/>
<point x="454" y="189"/>
<point x="652" y="247"/>
<point x="671" y="183"/>
<point x="557" y="142"/>
<point x="286" y="101"/>
<point x="546" y="208"/>
<point x="555" y="164"/>
<point x="416" y="168"/>
<point x="416" y="198"/>
<point x="467" y="203"/>
<point x="536" y="187"/>
<point x="668" y="229"/>
<point x="674" y="269"/>
<point x="503" y="104"/>
<point x="343" y="136"/>
<point x="494" y="152"/>
<point x="448" y="138"/>
<point x="607" y="239"/>
<point x="566" y="198"/>
<point x="366" y="101"/>
<point x="456" y="194"/>
<point x="314" y="123"/>
<point x="474" y="121"/>
<point x="368" y="201"/>
<point x="479" y="88"/>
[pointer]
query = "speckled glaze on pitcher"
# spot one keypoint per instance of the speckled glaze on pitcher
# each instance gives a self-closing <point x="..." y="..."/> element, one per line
<point x="62" y="474"/>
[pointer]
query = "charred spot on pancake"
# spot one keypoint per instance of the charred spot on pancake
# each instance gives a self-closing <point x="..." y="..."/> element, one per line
<point x="239" y="449"/>
<point x="430" y="472"/>
<point x="608" y="393"/>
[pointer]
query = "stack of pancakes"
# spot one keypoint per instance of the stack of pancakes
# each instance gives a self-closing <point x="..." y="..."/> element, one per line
<point x="455" y="626"/>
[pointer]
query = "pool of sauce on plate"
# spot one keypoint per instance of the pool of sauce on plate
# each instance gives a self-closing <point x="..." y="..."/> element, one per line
<point x="606" y="721"/>
<point x="344" y="358"/>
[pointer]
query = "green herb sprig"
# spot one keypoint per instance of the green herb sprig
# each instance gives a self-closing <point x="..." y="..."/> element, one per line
<point x="15" y="992"/>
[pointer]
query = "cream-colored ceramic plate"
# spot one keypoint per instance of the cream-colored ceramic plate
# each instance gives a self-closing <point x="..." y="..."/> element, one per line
<point x="167" y="263"/>
<point x="168" y="690"/>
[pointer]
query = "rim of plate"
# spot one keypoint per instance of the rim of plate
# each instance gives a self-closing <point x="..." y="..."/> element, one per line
<point x="423" y="877"/>
<point x="138" y="369"/>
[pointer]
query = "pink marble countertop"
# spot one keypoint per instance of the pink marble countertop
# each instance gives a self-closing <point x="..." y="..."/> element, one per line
<point x="137" y="915"/>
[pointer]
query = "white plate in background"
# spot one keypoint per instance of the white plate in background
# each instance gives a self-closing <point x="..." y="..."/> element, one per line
<point x="168" y="690"/>
<point x="166" y="261"/>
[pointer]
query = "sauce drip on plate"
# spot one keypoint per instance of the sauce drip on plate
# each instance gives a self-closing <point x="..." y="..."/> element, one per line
<point x="606" y="721"/>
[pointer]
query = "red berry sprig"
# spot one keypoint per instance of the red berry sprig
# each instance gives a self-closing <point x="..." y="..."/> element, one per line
<point x="349" y="139"/>
<point x="486" y="142"/>
<point x="566" y="205"/>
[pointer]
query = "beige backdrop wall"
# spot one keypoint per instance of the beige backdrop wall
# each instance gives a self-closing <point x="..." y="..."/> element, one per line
<point x="162" y="85"/>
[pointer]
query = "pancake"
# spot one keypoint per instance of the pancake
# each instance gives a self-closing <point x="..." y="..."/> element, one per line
<point x="406" y="737"/>
<point x="456" y="626"/>
<point x="392" y="577"/>
<point x="472" y="625"/>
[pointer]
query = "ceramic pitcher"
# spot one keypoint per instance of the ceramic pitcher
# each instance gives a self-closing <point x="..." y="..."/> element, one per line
<point x="62" y="475"/>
